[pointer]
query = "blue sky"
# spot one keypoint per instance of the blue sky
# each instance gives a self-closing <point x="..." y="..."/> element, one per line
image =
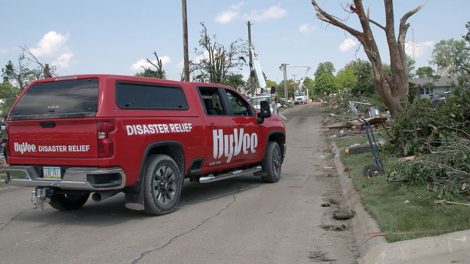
<point x="114" y="36"/>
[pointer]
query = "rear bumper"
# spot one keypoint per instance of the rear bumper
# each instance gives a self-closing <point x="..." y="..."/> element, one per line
<point x="75" y="178"/>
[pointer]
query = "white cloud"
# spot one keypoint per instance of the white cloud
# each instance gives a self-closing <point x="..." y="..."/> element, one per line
<point x="52" y="46"/>
<point x="227" y="16"/>
<point x="348" y="44"/>
<point x="63" y="61"/>
<point x="139" y="65"/>
<point x="272" y="12"/>
<point x="306" y="29"/>
<point x="49" y="45"/>
<point x="419" y="48"/>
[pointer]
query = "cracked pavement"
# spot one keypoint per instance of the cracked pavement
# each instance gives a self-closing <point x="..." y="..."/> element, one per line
<point x="241" y="220"/>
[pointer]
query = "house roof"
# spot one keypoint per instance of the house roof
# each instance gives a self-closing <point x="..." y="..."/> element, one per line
<point x="435" y="81"/>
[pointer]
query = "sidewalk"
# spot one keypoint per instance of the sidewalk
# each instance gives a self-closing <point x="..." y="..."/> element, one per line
<point x="447" y="248"/>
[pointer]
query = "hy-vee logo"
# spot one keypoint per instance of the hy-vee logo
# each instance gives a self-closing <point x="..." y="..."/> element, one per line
<point x="232" y="145"/>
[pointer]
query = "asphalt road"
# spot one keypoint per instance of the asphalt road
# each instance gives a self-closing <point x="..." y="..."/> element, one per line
<point x="241" y="220"/>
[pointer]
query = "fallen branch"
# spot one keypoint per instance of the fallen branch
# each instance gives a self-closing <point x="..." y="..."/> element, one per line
<point x="442" y="202"/>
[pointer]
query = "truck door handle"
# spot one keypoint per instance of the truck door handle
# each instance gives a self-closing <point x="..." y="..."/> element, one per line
<point x="47" y="124"/>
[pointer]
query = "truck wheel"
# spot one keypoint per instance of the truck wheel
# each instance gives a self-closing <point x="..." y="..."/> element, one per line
<point x="272" y="164"/>
<point x="66" y="202"/>
<point x="163" y="183"/>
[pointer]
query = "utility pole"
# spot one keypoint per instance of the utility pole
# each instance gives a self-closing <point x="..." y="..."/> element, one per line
<point x="252" y="75"/>
<point x="185" y="42"/>
<point x="284" y="70"/>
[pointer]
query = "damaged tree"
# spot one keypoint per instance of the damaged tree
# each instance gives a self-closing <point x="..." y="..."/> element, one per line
<point x="391" y="88"/>
<point x="216" y="62"/>
<point x="47" y="71"/>
<point x="158" y="72"/>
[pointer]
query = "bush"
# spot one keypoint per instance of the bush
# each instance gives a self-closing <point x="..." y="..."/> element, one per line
<point x="420" y="127"/>
<point x="446" y="170"/>
<point x="440" y="139"/>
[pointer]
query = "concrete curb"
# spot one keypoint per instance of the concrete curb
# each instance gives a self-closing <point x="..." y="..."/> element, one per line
<point x="447" y="248"/>
<point x="363" y="224"/>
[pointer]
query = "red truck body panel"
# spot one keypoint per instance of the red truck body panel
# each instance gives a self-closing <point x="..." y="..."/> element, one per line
<point x="221" y="142"/>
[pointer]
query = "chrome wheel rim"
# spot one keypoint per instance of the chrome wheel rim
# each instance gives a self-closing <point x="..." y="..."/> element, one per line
<point x="277" y="161"/>
<point x="164" y="185"/>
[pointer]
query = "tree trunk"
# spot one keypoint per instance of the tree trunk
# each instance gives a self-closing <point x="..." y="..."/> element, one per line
<point x="390" y="88"/>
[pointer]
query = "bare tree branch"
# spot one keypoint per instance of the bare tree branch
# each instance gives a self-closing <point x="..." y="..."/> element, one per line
<point x="404" y="25"/>
<point x="45" y="67"/>
<point x="377" y="24"/>
<point x="324" y="16"/>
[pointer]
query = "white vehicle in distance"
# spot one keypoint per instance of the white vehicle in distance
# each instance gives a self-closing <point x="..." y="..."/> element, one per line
<point x="300" y="98"/>
<point x="255" y="101"/>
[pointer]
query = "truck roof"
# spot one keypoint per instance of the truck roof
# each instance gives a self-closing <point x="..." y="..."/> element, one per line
<point x="127" y="78"/>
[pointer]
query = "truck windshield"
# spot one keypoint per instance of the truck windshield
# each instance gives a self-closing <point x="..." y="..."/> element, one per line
<point x="60" y="99"/>
<point x="299" y="94"/>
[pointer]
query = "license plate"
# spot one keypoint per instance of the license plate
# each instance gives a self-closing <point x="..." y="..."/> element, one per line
<point x="51" y="173"/>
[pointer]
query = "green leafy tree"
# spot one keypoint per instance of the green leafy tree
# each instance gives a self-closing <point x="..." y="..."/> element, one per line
<point x="310" y="85"/>
<point x="271" y="83"/>
<point x="235" y="80"/>
<point x="324" y="84"/>
<point x="8" y="95"/>
<point x="21" y="74"/>
<point x="362" y="80"/>
<point x="291" y="85"/>
<point x="325" y="67"/>
<point x="466" y="37"/>
<point x="424" y="71"/>
<point x="324" y="79"/>
<point x="452" y="53"/>
<point x="346" y="78"/>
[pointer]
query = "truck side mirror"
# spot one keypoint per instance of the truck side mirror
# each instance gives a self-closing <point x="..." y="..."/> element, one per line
<point x="264" y="112"/>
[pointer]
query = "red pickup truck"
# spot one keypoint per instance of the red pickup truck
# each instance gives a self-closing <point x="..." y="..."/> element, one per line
<point x="104" y="134"/>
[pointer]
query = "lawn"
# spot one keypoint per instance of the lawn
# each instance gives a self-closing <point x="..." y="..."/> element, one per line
<point x="2" y="174"/>
<point x="402" y="212"/>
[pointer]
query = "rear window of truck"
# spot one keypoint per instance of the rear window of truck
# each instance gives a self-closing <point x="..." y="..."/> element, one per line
<point x="149" y="97"/>
<point x="59" y="99"/>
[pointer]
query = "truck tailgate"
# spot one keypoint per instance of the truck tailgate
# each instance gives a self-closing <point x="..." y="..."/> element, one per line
<point x="63" y="138"/>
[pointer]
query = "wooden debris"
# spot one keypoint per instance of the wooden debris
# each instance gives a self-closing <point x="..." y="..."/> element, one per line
<point x="409" y="158"/>
<point x="449" y="202"/>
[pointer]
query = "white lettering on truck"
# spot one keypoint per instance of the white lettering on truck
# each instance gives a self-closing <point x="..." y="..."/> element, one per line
<point x="150" y="129"/>
<point x="233" y="144"/>
<point x="26" y="147"/>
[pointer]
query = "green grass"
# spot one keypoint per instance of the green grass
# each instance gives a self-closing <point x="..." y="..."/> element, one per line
<point x="386" y="201"/>
<point x="2" y="177"/>
<point x="2" y="174"/>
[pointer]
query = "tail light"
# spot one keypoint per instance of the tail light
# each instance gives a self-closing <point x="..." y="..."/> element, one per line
<point x="5" y="142"/>
<point x="105" y="144"/>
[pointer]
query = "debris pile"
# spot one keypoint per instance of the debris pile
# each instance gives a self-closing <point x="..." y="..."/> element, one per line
<point x="437" y="142"/>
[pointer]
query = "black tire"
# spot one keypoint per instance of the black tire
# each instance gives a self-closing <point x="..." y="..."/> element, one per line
<point x="272" y="164"/>
<point x="371" y="171"/>
<point x="71" y="201"/>
<point x="162" y="185"/>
